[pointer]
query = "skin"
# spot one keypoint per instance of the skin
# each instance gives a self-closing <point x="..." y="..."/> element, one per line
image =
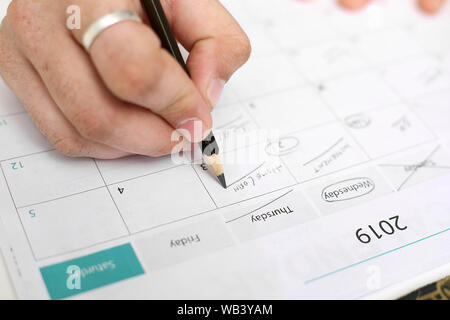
<point x="428" y="6"/>
<point x="127" y="95"/>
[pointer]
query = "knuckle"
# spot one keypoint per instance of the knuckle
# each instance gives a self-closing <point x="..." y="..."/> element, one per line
<point x="20" y="16"/>
<point x="242" y="48"/>
<point x="91" y="125"/>
<point x="130" y="79"/>
<point x="10" y="57"/>
<point x="14" y="11"/>
<point x="3" y="56"/>
<point x="133" y="81"/>
<point x="70" y="146"/>
<point x="184" y="99"/>
<point x="23" y="22"/>
<point x="235" y="50"/>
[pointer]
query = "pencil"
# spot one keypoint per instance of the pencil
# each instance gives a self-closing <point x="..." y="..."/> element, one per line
<point x="161" y="26"/>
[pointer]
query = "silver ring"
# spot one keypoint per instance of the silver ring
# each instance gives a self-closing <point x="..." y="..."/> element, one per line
<point x="104" y="23"/>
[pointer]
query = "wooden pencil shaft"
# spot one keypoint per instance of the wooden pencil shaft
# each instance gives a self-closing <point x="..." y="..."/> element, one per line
<point x="161" y="26"/>
<point x="215" y="163"/>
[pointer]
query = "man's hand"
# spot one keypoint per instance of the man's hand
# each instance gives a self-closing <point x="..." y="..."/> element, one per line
<point x="429" y="6"/>
<point x="128" y="95"/>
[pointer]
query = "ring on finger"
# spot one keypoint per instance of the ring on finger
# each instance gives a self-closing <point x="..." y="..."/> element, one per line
<point x="103" y="23"/>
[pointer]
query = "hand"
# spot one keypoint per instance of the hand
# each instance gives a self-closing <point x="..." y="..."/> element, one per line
<point x="128" y="95"/>
<point x="429" y="6"/>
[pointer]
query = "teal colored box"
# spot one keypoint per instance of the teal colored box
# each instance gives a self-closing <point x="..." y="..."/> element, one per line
<point x="96" y="270"/>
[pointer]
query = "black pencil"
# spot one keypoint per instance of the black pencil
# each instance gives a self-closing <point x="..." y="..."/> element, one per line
<point x="161" y="26"/>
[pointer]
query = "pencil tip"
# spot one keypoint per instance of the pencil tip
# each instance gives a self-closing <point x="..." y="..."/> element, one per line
<point x="221" y="178"/>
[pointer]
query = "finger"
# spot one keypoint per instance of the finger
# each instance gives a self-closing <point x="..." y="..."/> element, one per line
<point x="217" y="44"/>
<point x="131" y="62"/>
<point x="24" y="80"/>
<point x="85" y="101"/>
<point x="431" y="6"/>
<point x="354" y="4"/>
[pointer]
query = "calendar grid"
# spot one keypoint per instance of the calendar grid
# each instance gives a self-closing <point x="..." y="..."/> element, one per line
<point x="206" y="189"/>
<point x="13" y="114"/>
<point x="199" y="213"/>
<point x="18" y="216"/>
<point x="243" y="102"/>
<point x="112" y="198"/>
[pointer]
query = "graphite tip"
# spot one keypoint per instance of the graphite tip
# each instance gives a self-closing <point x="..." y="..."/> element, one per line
<point x="221" y="178"/>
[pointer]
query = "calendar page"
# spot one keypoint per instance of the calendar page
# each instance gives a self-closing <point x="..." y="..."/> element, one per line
<point x="349" y="199"/>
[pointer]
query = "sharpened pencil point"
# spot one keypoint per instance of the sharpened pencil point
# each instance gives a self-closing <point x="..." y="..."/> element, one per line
<point x="221" y="178"/>
<point x="216" y="165"/>
<point x="210" y="152"/>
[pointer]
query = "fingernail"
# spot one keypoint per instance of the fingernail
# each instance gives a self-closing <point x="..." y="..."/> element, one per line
<point x="215" y="90"/>
<point x="193" y="129"/>
<point x="431" y="6"/>
<point x="354" y="4"/>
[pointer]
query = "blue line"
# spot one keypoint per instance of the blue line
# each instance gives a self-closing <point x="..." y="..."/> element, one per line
<point x="374" y="257"/>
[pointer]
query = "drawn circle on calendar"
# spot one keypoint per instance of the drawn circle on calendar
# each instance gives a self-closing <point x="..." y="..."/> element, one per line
<point x="358" y="121"/>
<point x="283" y="146"/>
<point x="348" y="189"/>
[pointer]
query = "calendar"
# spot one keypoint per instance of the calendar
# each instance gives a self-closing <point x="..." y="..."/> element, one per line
<point x="350" y="200"/>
